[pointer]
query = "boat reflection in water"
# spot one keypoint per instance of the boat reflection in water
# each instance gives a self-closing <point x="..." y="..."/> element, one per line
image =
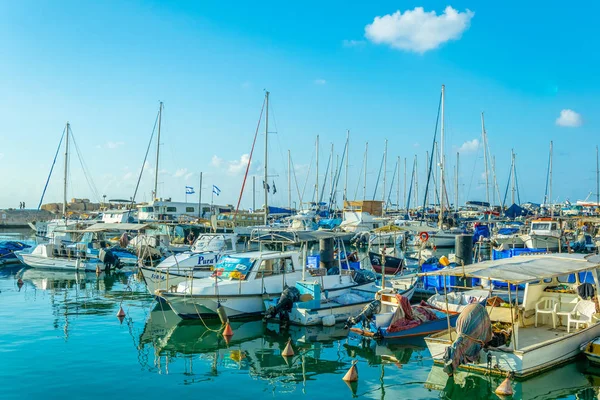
<point x="568" y="380"/>
<point x="76" y="293"/>
<point x="255" y="347"/>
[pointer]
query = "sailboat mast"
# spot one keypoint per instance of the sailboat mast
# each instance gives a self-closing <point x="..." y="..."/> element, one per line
<point x="266" y="177"/>
<point x="332" y="173"/>
<point x="441" y="147"/>
<point x="550" y="180"/>
<point x="597" y="179"/>
<point x="512" y="173"/>
<point x="405" y="175"/>
<point x="346" y="169"/>
<point x="384" y="173"/>
<point x="456" y="182"/>
<point x="365" y="177"/>
<point x="416" y="174"/>
<point x="317" y="177"/>
<point x="398" y="186"/>
<point x="289" y="180"/>
<point x="66" y="172"/>
<point x="160" y="107"/>
<point x="485" y="160"/>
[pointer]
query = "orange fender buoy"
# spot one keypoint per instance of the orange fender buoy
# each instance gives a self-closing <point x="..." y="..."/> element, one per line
<point x="121" y="312"/>
<point x="227" y="331"/>
<point x="505" y="388"/>
<point x="288" y="351"/>
<point x="352" y="374"/>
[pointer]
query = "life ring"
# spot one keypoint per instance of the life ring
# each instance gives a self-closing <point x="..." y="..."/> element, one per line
<point x="424" y="236"/>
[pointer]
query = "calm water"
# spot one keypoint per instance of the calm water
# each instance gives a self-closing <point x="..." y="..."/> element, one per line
<point x="60" y="338"/>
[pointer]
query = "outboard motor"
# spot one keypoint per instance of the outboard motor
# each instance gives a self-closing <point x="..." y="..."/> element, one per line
<point x="365" y="314"/>
<point x="289" y="296"/>
<point x="108" y="259"/>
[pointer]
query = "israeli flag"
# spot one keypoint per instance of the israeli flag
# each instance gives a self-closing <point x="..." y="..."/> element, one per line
<point x="216" y="190"/>
<point x="189" y="190"/>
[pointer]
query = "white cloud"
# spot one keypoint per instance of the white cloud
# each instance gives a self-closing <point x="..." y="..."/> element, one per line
<point x="569" y="118"/>
<point x="128" y="176"/>
<point x="237" y="166"/>
<point x="114" y="145"/>
<point x="417" y="30"/>
<point x="180" y="172"/>
<point x="216" y="161"/>
<point x="470" y="146"/>
<point x="353" y="43"/>
<point x="320" y="81"/>
<point x="188" y="175"/>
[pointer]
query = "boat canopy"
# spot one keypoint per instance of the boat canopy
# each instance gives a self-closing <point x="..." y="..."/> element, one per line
<point x="116" y="227"/>
<point x="291" y="237"/>
<point x="524" y="268"/>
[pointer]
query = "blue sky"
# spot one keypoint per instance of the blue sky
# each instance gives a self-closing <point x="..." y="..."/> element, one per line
<point x="104" y="67"/>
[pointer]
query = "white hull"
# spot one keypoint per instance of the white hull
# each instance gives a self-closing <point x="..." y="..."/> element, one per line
<point x="59" y="263"/>
<point x="246" y="299"/>
<point x="163" y="279"/>
<point x="525" y="362"/>
<point x="536" y="241"/>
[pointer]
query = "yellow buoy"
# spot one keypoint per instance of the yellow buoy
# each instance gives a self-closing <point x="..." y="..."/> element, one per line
<point x="352" y="374"/>
<point x="288" y="351"/>
<point x="505" y="388"/>
<point x="444" y="261"/>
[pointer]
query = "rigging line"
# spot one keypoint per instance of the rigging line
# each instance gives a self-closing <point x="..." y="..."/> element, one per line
<point x="547" y="180"/>
<point x="52" y="168"/>
<point x="325" y="180"/>
<point x="437" y="121"/>
<point x="237" y="208"/>
<point x="296" y="181"/>
<point x="517" y="185"/>
<point x="145" y="158"/>
<point x="337" y="178"/>
<point x="360" y="174"/>
<point x="412" y="178"/>
<point x="307" y="176"/>
<point x="473" y="173"/>
<point x="378" y="176"/>
<point x="86" y="171"/>
<point x="392" y="184"/>
<point x="507" y="185"/>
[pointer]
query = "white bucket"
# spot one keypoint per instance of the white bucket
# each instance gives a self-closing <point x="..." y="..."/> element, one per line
<point x="328" y="320"/>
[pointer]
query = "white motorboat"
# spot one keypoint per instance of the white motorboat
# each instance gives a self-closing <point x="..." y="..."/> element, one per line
<point x="544" y="233"/>
<point x="59" y="257"/>
<point x="313" y="307"/>
<point x="538" y="339"/>
<point x="199" y="262"/>
<point x="239" y="282"/>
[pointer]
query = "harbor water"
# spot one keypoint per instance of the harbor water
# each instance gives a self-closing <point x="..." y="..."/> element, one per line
<point x="60" y="337"/>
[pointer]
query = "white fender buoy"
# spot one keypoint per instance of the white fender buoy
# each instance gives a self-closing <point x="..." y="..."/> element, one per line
<point x="328" y="320"/>
<point x="505" y="388"/>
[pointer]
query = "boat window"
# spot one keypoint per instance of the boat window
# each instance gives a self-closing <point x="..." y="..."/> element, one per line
<point x="286" y="265"/>
<point x="567" y="278"/>
<point x="548" y="280"/>
<point x="265" y="268"/>
<point x="148" y="209"/>
<point x="233" y="267"/>
<point x="171" y="209"/>
<point x="210" y="243"/>
<point x="189" y="209"/>
<point x="586" y="277"/>
<point x="540" y="226"/>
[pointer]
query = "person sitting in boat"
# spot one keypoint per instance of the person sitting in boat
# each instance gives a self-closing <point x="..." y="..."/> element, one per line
<point x="191" y="237"/>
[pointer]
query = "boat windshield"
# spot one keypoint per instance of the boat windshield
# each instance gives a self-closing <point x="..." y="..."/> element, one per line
<point x="536" y="226"/>
<point x="233" y="267"/>
<point x="212" y="243"/>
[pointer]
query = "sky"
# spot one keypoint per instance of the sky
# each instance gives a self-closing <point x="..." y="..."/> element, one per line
<point x="373" y="68"/>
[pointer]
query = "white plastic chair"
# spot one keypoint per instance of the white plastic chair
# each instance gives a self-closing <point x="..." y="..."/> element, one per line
<point x="581" y="314"/>
<point x="546" y="305"/>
